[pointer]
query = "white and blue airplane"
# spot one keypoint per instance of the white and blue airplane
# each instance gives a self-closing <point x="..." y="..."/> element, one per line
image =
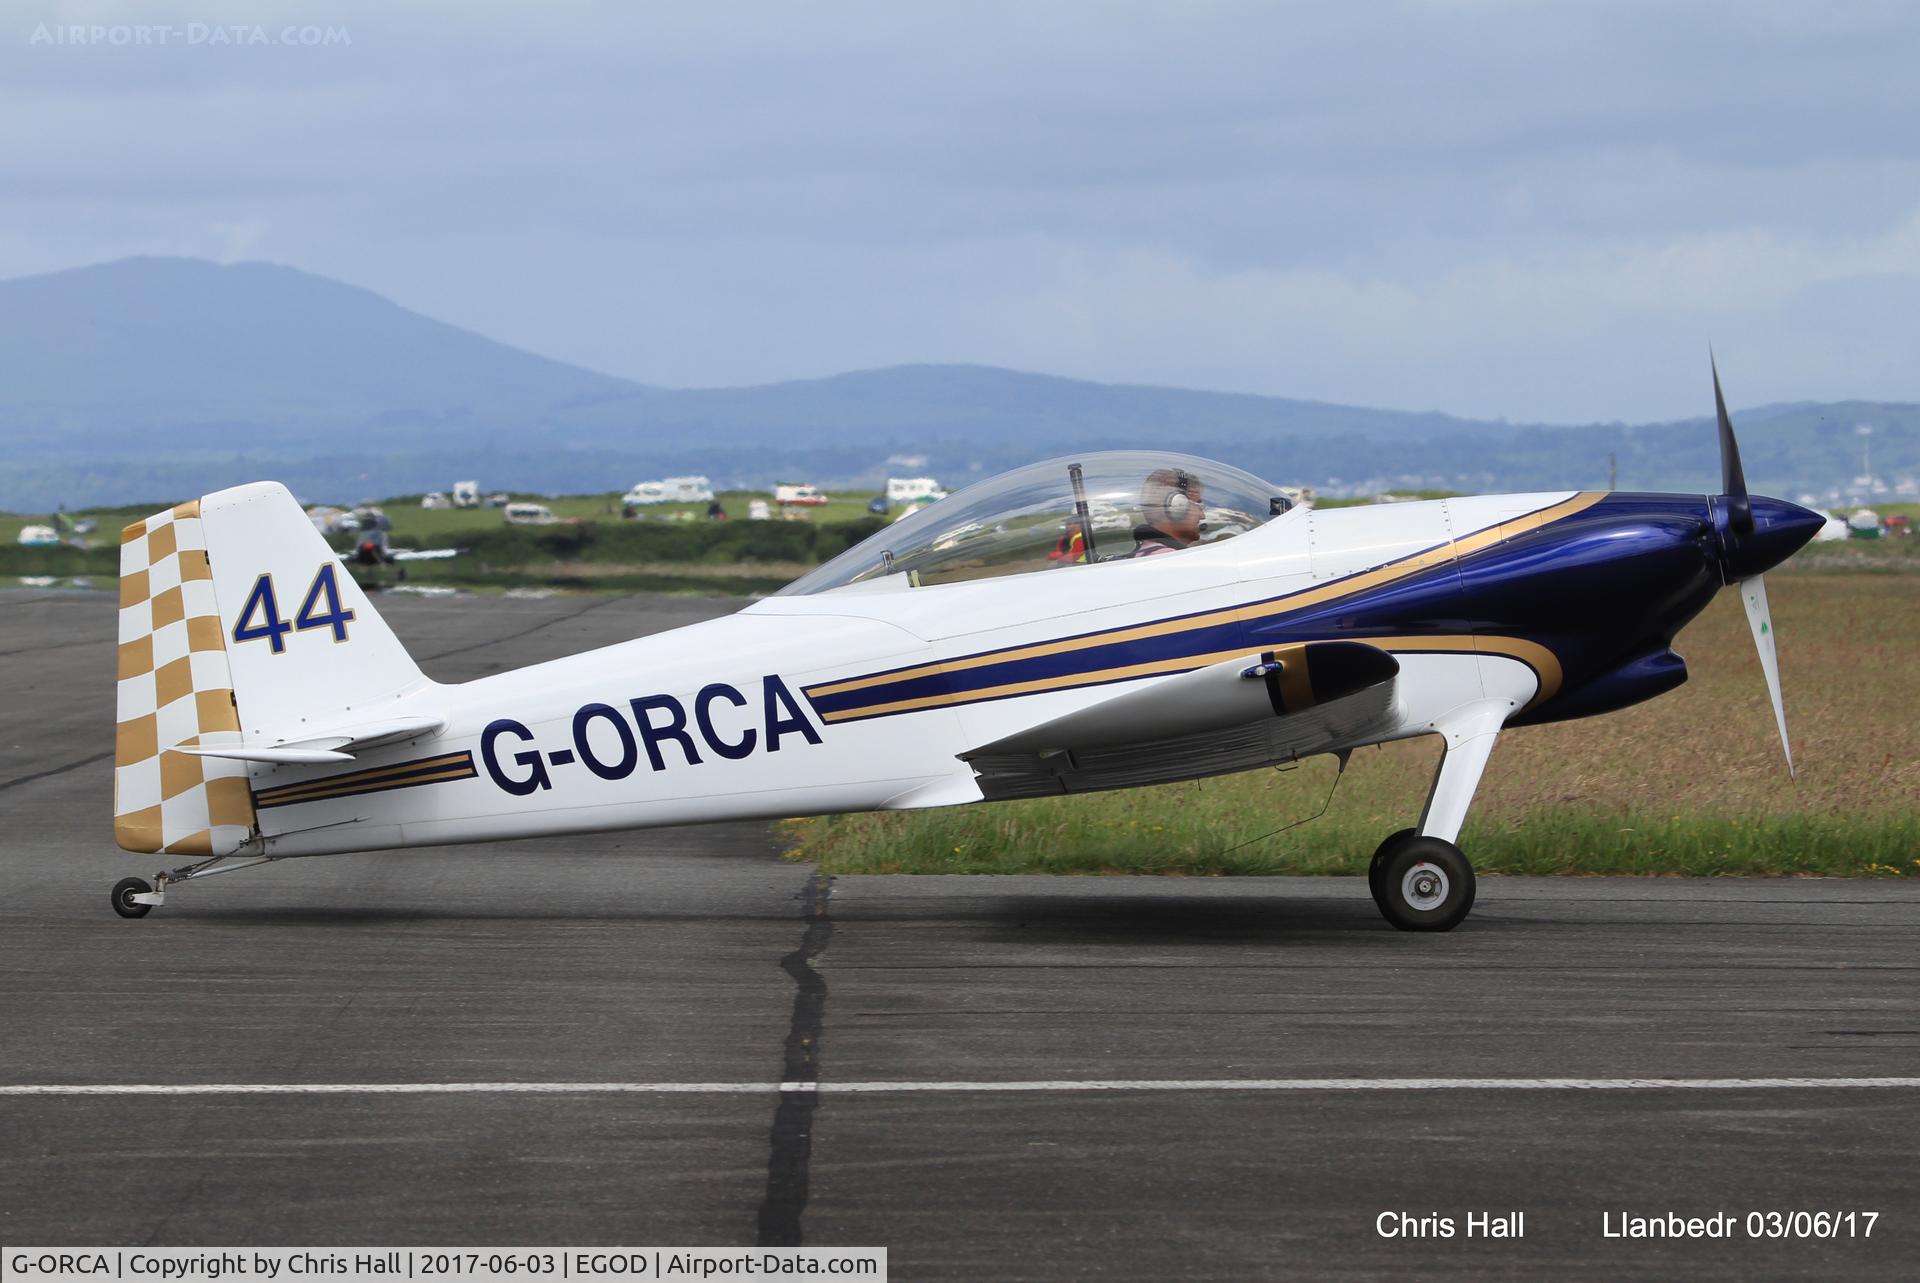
<point x="1096" y="622"/>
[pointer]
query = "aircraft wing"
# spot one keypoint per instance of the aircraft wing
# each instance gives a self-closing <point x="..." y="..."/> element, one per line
<point x="422" y="554"/>
<point x="1244" y="712"/>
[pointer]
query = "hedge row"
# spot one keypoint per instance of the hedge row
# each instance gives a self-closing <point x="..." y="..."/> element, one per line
<point x="627" y="543"/>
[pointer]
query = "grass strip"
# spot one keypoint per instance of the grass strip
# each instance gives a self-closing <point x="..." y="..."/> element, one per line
<point x="1690" y="783"/>
<point x="1044" y="837"/>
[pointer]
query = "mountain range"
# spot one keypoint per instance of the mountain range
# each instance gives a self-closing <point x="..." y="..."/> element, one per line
<point x="159" y="378"/>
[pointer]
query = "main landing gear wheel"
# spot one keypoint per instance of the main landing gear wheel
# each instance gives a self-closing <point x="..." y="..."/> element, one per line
<point x="1425" y="884"/>
<point x="123" y="902"/>
<point x="1380" y="858"/>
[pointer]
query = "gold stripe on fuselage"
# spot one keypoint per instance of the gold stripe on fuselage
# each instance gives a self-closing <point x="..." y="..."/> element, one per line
<point x="1426" y="559"/>
<point x="331" y="785"/>
<point x="1544" y="663"/>
<point x="377" y="786"/>
<point x="1296" y="683"/>
<point x="1542" y="660"/>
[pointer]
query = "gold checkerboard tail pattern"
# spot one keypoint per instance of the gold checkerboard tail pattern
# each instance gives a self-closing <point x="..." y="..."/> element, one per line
<point x="175" y="691"/>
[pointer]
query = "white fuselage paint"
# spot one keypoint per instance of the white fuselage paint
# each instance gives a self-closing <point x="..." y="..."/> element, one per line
<point x="778" y="646"/>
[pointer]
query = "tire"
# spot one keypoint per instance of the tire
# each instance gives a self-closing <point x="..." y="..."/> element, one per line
<point x="1380" y="858"/>
<point x="123" y="892"/>
<point x="1426" y="884"/>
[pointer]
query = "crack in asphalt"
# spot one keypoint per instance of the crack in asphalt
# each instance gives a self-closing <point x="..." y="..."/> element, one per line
<point x="18" y="780"/>
<point x="790" y="1148"/>
<point x="525" y="632"/>
<point x="65" y="645"/>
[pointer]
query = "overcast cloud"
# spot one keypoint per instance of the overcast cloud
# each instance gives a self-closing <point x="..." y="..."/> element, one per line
<point x="1538" y="212"/>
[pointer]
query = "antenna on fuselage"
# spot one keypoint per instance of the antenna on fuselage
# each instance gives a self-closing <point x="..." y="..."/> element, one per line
<point x="1081" y="510"/>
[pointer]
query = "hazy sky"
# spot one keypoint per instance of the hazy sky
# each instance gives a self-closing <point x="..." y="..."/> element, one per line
<point x="1540" y="212"/>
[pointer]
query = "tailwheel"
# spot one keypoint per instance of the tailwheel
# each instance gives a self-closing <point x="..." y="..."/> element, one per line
<point x="126" y="901"/>
<point x="1424" y="884"/>
<point x="136" y="897"/>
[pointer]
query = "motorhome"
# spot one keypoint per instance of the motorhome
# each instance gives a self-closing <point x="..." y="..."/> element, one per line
<point x="529" y="514"/>
<point x="466" y="494"/>
<point x="908" y="489"/>
<point x="799" y="496"/>
<point x="671" y="490"/>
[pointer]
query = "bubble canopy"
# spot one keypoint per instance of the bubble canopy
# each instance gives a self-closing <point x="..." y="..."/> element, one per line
<point x="1083" y="509"/>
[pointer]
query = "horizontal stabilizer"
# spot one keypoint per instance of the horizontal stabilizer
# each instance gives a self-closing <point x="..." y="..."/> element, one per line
<point x="291" y="755"/>
<point x="338" y="745"/>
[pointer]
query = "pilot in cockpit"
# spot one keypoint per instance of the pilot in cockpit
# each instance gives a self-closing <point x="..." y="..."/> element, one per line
<point x="1172" y="508"/>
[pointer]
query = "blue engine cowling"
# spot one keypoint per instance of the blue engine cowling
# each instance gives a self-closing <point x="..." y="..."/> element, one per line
<point x="1654" y="672"/>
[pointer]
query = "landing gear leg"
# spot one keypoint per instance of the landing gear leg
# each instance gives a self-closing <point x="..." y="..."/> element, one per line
<point x="136" y="897"/>
<point x="1420" y="880"/>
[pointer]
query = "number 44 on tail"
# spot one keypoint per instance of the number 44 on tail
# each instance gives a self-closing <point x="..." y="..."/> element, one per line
<point x="260" y="616"/>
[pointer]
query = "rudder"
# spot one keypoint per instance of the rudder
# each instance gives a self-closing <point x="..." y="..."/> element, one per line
<point x="238" y="626"/>
<point x="174" y="688"/>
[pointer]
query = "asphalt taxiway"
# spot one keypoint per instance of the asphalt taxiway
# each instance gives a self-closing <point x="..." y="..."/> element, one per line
<point x="698" y="956"/>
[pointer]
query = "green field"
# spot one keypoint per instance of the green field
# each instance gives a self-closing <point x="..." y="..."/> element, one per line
<point x="591" y="548"/>
<point x="1692" y="782"/>
<point x="672" y="548"/>
<point x="434" y="526"/>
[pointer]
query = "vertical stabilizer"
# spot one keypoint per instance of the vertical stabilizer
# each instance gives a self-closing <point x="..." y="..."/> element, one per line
<point x="238" y="626"/>
<point x="306" y="646"/>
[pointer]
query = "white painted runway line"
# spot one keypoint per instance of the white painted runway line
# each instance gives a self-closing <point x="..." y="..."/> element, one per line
<point x="908" y="1087"/>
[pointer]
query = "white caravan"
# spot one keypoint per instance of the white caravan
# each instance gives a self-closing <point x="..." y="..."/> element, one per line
<point x="908" y="489"/>
<point x="672" y="490"/>
<point x="789" y="495"/>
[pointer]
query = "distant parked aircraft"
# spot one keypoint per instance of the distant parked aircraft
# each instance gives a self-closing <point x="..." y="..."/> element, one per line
<point x="57" y="532"/>
<point x="372" y="545"/>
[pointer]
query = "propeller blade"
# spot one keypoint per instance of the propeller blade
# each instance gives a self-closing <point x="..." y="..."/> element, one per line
<point x="1733" y="479"/>
<point x="1753" y="595"/>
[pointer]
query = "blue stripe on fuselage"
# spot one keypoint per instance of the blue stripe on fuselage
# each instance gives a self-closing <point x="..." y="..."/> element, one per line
<point x="1591" y="588"/>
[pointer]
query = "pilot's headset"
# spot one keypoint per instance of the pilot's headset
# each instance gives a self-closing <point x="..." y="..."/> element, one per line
<point x="1178" y="501"/>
